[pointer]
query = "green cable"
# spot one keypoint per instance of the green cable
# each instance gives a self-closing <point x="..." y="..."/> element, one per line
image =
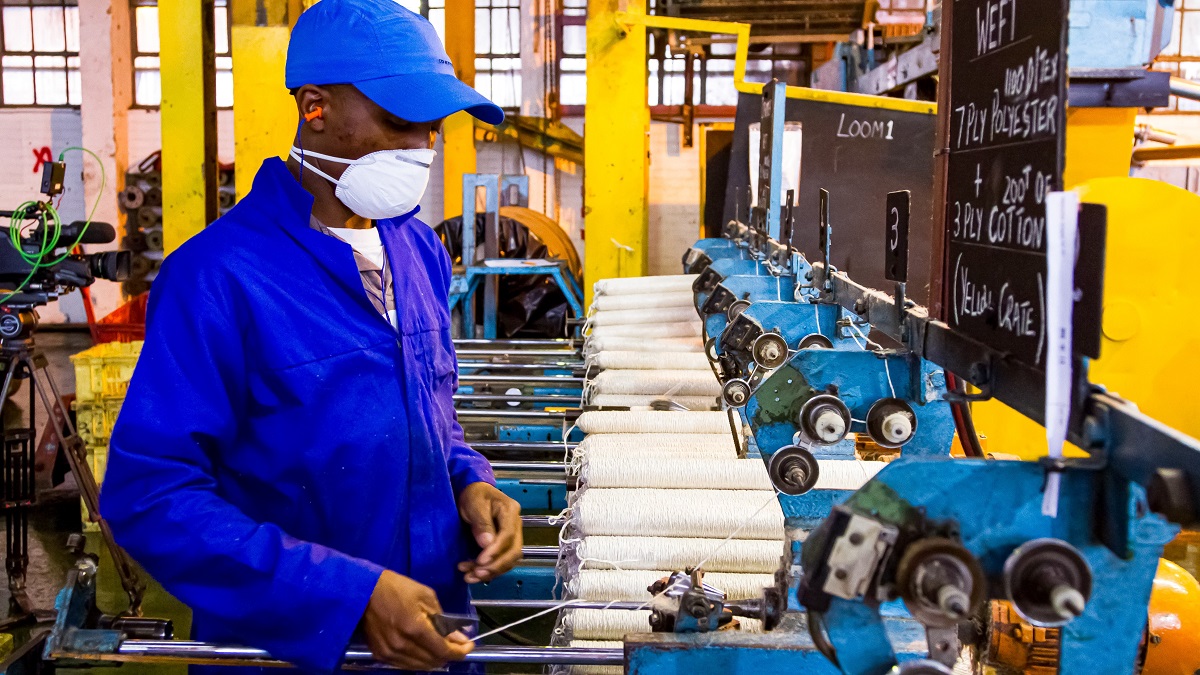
<point x="95" y="204"/>
<point x="50" y="239"/>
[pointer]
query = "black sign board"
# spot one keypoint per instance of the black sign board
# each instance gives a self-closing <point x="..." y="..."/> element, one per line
<point x="895" y="236"/>
<point x="1007" y="118"/>
<point x="859" y="154"/>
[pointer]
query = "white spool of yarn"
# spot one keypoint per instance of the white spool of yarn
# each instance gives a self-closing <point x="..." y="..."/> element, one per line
<point x="623" y="317"/>
<point x="651" y="330"/>
<point x="600" y="471"/>
<point x="591" y="670"/>
<point x="597" y="345"/>
<point x="616" y="303"/>
<point x="640" y="360"/>
<point x="653" y="422"/>
<point x="632" y="584"/>
<point x="658" y="445"/>
<point x="604" y="624"/>
<point x="657" y="382"/>
<point x="642" y="285"/>
<point x="845" y="474"/>
<point x="759" y="556"/>
<point x="641" y="512"/>
<point x="641" y="402"/>
<point x="615" y="624"/>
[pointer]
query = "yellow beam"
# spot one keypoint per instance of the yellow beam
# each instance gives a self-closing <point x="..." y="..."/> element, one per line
<point x="616" y="136"/>
<point x="189" y="118"/>
<point x="458" y="131"/>
<point x="264" y="117"/>
<point x="631" y="17"/>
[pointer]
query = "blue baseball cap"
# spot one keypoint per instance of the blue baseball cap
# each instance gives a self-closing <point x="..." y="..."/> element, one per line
<point x="390" y="54"/>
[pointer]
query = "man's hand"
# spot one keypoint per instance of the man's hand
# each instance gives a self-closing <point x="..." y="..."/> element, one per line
<point x="398" y="628"/>
<point x="495" y="521"/>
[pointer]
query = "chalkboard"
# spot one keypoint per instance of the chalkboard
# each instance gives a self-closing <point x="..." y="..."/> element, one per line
<point x="1007" y="115"/>
<point x="859" y="155"/>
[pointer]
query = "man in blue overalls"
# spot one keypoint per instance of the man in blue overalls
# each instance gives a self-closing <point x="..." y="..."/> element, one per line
<point x="288" y="461"/>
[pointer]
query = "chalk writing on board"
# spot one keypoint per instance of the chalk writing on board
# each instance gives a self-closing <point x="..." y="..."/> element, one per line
<point x="1006" y="117"/>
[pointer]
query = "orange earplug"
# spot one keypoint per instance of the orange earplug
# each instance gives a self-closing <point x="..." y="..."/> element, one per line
<point x="310" y="116"/>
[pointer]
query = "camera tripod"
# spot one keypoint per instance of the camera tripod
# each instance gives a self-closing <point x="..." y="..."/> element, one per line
<point x="20" y="360"/>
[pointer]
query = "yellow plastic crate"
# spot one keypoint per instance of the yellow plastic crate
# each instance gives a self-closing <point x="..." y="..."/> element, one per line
<point x="102" y="372"/>
<point x="94" y="421"/>
<point x="98" y="461"/>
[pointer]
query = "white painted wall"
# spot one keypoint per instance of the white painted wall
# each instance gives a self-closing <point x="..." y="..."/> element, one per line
<point x="28" y="131"/>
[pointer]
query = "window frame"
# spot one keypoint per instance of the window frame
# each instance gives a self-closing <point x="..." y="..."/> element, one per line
<point x="134" y="53"/>
<point x="33" y="54"/>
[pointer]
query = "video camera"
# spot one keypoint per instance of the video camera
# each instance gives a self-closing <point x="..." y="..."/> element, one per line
<point x="37" y="264"/>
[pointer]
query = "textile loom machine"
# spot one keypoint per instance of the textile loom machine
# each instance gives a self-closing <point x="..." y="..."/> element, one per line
<point x="756" y="462"/>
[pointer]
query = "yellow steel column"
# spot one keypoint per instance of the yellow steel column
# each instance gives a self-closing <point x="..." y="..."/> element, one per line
<point x="188" y="118"/>
<point x="458" y="131"/>
<point x="264" y="115"/>
<point x="617" y="122"/>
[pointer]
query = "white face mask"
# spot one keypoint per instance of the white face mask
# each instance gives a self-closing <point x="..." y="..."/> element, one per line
<point x="380" y="185"/>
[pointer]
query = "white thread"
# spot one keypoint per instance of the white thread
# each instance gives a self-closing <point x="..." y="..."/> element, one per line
<point x="607" y="303"/>
<point x="675" y="513"/>
<point x="817" y="315"/>
<point x="653" y="422"/>
<point x="641" y="285"/>
<point x="614" y="624"/>
<point x="624" y="317"/>
<point x="678" y="329"/>
<point x="658" y="445"/>
<point x="591" y="670"/>
<point x="666" y="553"/>
<point x="646" y="402"/>
<point x="888" y="370"/>
<point x="658" y="382"/>
<point x="625" y="585"/>
<point x="614" y="471"/>
<point x="636" y="344"/>
<point x="641" y="360"/>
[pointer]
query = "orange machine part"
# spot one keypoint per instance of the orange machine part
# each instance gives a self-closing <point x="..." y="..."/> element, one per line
<point x="1174" y="628"/>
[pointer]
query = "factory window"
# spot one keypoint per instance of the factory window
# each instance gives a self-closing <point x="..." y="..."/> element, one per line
<point x="497" y="45"/>
<point x="1181" y="58"/>
<point x="572" y="78"/>
<point x="498" y="51"/>
<point x="147" y="91"/>
<point x="40" y="63"/>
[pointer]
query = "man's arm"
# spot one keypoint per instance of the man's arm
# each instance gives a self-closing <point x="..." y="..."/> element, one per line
<point x="298" y="600"/>
<point x="494" y="518"/>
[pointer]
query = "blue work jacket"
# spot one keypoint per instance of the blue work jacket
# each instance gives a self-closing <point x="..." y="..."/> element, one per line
<point x="281" y="443"/>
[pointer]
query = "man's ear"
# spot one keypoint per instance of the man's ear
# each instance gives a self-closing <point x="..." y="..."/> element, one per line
<point x="312" y="103"/>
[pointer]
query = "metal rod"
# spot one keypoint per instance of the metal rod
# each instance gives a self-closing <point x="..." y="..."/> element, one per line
<point x="520" y="379"/>
<point x="538" y="521"/>
<point x="557" y="353"/>
<point x="511" y="414"/>
<point x="518" y="342"/>
<point x="564" y="399"/>
<point x="181" y="651"/>
<point x="555" y="467"/>
<point x="1185" y="88"/>
<point x="493" y="365"/>
<point x="547" y="604"/>
<point x="500" y="447"/>
<point x="539" y="552"/>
